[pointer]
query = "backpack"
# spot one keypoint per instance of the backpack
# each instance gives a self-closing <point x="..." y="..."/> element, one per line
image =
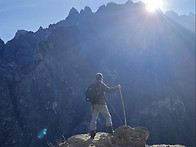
<point x="91" y="93"/>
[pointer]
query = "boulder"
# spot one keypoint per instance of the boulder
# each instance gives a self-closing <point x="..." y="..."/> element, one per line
<point x="125" y="136"/>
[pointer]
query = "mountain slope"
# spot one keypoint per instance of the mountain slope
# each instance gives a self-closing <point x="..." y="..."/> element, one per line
<point x="151" y="56"/>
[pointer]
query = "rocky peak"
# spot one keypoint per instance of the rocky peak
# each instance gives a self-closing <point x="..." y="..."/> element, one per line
<point x="140" y="3"/>
<point x="101" y="8"/>
<point x="87" y="11"/>
<point x="40" y="28"/>
<point x="20" y="33"/>
<point x="72" y="17"/>
<point x="1" y="44"/>
<point x="73" y="12"/>
<point x="129" y="2"/>
<point x="111" y="4"/>
<point x="113" y="7"/>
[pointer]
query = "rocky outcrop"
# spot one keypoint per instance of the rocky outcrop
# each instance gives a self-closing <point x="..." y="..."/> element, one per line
<point x="124" y="136"/>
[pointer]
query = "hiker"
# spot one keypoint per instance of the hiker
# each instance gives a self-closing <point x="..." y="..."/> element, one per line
<point x="100" y="106"/>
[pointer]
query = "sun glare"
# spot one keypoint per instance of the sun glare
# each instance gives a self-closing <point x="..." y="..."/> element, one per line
<point x="153" y="5"/>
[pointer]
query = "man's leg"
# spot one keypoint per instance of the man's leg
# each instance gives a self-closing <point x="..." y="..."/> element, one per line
<point x="104" y="110"/>
<point x="93" y="124"/>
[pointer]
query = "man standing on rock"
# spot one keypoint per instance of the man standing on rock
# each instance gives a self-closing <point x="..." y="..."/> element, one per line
<point x="100" y="106"/>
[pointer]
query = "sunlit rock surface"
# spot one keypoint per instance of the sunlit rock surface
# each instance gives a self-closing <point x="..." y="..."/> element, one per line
<point x="124" y="136"/>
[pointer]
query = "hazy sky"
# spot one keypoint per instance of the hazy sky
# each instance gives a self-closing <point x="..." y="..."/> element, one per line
<point x="31" y="14"/>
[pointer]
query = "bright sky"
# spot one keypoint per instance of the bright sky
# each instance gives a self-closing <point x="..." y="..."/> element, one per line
<point x="31" y="14"/>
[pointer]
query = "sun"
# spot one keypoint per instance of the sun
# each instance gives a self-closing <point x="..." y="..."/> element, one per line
<point x="153" y="5"/>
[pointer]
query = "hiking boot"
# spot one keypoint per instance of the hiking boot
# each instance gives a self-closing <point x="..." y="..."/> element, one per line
<point x="110" y="130"/>
<point x="92" y="134"/>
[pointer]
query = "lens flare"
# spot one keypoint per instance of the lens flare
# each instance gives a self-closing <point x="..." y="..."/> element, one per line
<point x="42" y="133"/>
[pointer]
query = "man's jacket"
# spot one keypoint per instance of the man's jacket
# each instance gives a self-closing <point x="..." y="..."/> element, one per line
<point x="102" y="89"/>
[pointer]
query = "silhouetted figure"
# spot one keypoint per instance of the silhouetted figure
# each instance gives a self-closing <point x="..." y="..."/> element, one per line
<point x="100" y="106"/>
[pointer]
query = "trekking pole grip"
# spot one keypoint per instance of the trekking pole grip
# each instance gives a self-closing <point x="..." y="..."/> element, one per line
<point x="123" y="107"/>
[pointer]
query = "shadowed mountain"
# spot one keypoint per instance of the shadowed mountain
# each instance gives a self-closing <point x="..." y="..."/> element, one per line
<point x="150" y="55"/>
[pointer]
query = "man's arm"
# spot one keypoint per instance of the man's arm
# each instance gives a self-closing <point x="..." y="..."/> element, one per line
<point x="109" y="89"/>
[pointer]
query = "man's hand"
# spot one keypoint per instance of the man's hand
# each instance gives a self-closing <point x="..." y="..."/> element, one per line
<point x="119" y="87"/>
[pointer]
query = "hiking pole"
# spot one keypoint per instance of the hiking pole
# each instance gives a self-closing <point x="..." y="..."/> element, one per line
<point x="123" y="107"/>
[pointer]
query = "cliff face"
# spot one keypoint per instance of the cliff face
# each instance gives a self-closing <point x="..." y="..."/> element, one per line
<point x="8" y="117"/>
<point x="46" y="73"/>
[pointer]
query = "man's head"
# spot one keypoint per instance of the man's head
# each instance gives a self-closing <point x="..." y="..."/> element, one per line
<point x="99" y="76"/>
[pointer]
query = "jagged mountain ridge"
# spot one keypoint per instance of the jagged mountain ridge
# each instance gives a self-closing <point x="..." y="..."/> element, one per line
<point x="146" y="54"/>
<point x="187" y="21"/>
